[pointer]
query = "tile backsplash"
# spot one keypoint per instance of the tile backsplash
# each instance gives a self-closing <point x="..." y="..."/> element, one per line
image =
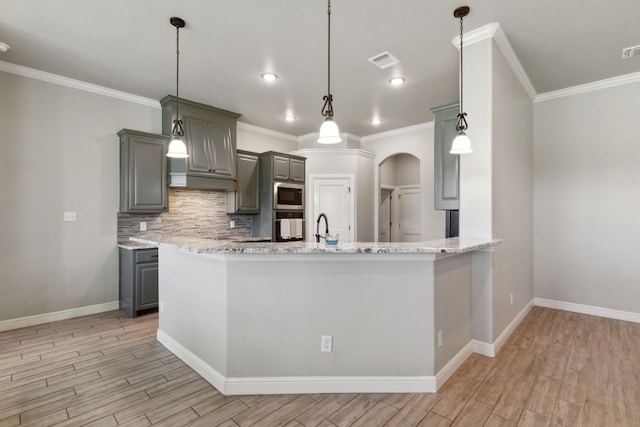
<point x="192" y="212"/>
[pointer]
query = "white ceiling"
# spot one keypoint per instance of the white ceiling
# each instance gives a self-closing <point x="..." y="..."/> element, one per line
<point x="129" y="45"/>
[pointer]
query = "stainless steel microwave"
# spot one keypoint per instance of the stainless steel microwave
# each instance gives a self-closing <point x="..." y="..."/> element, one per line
<point x="288" y="196"/>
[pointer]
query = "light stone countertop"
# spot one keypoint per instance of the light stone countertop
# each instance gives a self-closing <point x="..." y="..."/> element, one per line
<point x="211" y="246"/>
<point x="136" y="245"/>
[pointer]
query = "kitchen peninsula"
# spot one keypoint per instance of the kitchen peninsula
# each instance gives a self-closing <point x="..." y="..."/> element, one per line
<point x="251" y="317"/>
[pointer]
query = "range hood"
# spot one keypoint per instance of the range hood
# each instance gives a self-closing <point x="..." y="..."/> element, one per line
<point x="184" y="180"/>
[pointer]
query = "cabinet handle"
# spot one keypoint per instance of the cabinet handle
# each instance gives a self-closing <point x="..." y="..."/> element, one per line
<point x="154" y="256"/>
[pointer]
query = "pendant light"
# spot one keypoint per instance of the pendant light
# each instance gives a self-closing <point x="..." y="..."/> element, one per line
<point x="329" y="133"/>
<point x="177" y="149"/>
<point x="462" y="143"/>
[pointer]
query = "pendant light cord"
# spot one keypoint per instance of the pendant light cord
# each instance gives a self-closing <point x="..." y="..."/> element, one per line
<point x="460" y="73"/>
<point x="327" y="109"/>
<point x="177" y="71"/>
<point x="177" y="123"/>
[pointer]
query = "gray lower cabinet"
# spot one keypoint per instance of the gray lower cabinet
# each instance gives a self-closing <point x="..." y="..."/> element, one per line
<point x="143" y="172"/>
<point x="210" y="137"/>
<point x="246" y="199"/>
<point x="138" y="280"/>
<point x="446" y="166"/>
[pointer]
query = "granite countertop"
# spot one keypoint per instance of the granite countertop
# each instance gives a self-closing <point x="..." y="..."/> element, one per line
<point x="211" y="246"/>
<point x="137" y="245"/>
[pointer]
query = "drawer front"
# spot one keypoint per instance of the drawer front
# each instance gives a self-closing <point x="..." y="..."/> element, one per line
<point x="146" y="255"/>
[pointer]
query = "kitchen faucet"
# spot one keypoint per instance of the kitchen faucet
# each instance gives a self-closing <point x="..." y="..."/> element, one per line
<point x="326" y="231"/>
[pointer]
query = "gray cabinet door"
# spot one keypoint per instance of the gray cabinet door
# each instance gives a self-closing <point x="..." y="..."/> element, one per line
<point x="147" y="285"/>
<point x="221" y="149"/>
<point x="446" y="165"/>
<point x="246" y="199"/>
<point x="143" y="172"/>
<point x="248" y="183"/>
<point x="281" y="168"/>
<point x="198" y="146"/>
<point x="138" y="280"/>
<point x="297" y="170"/>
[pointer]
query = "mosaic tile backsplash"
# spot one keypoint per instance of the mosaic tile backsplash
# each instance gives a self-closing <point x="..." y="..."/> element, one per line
<point x="192" y="212"/>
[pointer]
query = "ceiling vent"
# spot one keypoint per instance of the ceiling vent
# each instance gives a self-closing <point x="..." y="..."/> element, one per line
<point x="630" y="52"/>
<point x="384" y="60"/>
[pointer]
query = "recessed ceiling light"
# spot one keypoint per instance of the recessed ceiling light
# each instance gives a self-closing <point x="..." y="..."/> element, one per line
<point x="397" y="81"/>
<point x="269" y="77"/>
<point x="375" y="122"/>
<point x="4" y="47"/>
<point x="289" y="118"/>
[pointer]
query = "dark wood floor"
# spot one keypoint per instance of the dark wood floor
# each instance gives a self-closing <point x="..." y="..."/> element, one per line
<point x="558" y="368"/>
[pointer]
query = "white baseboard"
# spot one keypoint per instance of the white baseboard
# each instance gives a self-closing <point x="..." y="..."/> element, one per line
<point x="490" y="350"/>
<point x="447" y="370"/>
<point x="483" y="348"/>
<point x="38" y="319"/>
<point x="589" y="309"/>
<point x="214" y="377"/>
<point x="305" y="385"/>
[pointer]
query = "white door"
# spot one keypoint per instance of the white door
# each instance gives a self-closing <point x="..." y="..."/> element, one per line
<point x="333" y="197"/>
<point x="409" y="214"/>
<point x="384" y="216"/>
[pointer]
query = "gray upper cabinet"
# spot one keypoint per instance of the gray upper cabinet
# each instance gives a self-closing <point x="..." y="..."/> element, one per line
<point x="247" y="197"/>
<point x="281" y="168"/>
<point x="446" y="165"/>
<point x="286" y="167"/>
<point x="297" y="170"/>
<point x="210" y="137"/>
<point x="143" y="172"/>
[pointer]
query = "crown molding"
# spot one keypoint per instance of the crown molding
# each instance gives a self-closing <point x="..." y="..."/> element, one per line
<point x="495" y="32"/>
<point x="76" y="84"/>
<point x="589" y="87"/>
<point x="334" y="152"/>
<point x="314" y="136"/>
<point x="265" y="131"/>
<point x="396" y="132"/>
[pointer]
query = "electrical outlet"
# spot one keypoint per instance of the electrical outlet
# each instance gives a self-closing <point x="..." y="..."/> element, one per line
<point x="232" y="224"/>
<point x="326" y="344"/>
<point x="440" y="338"/>
<point x="511" y="298"/>
<point x="143" y="226"/>
<point x="69" y="216"/>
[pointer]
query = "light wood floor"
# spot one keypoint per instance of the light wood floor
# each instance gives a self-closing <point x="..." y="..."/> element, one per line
<point x="558" y="368"/>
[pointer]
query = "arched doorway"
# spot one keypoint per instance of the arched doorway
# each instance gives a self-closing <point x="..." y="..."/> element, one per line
<point x="399" y="216"/>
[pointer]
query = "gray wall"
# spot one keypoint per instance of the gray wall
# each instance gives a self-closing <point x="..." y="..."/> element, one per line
<point x="512" y="204"/>
<point x="586" y="198"/>
<point x="59" y="152"/>
<point x="496" y="184"/>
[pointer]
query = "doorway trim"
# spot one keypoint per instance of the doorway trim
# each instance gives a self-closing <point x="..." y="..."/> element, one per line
<point x="311" y="203"/>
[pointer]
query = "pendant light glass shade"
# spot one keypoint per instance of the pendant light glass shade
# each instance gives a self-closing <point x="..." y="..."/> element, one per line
<point x="177" y="149"/>
<point x="461" y="144"/>
<point x="329" y="133"/>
